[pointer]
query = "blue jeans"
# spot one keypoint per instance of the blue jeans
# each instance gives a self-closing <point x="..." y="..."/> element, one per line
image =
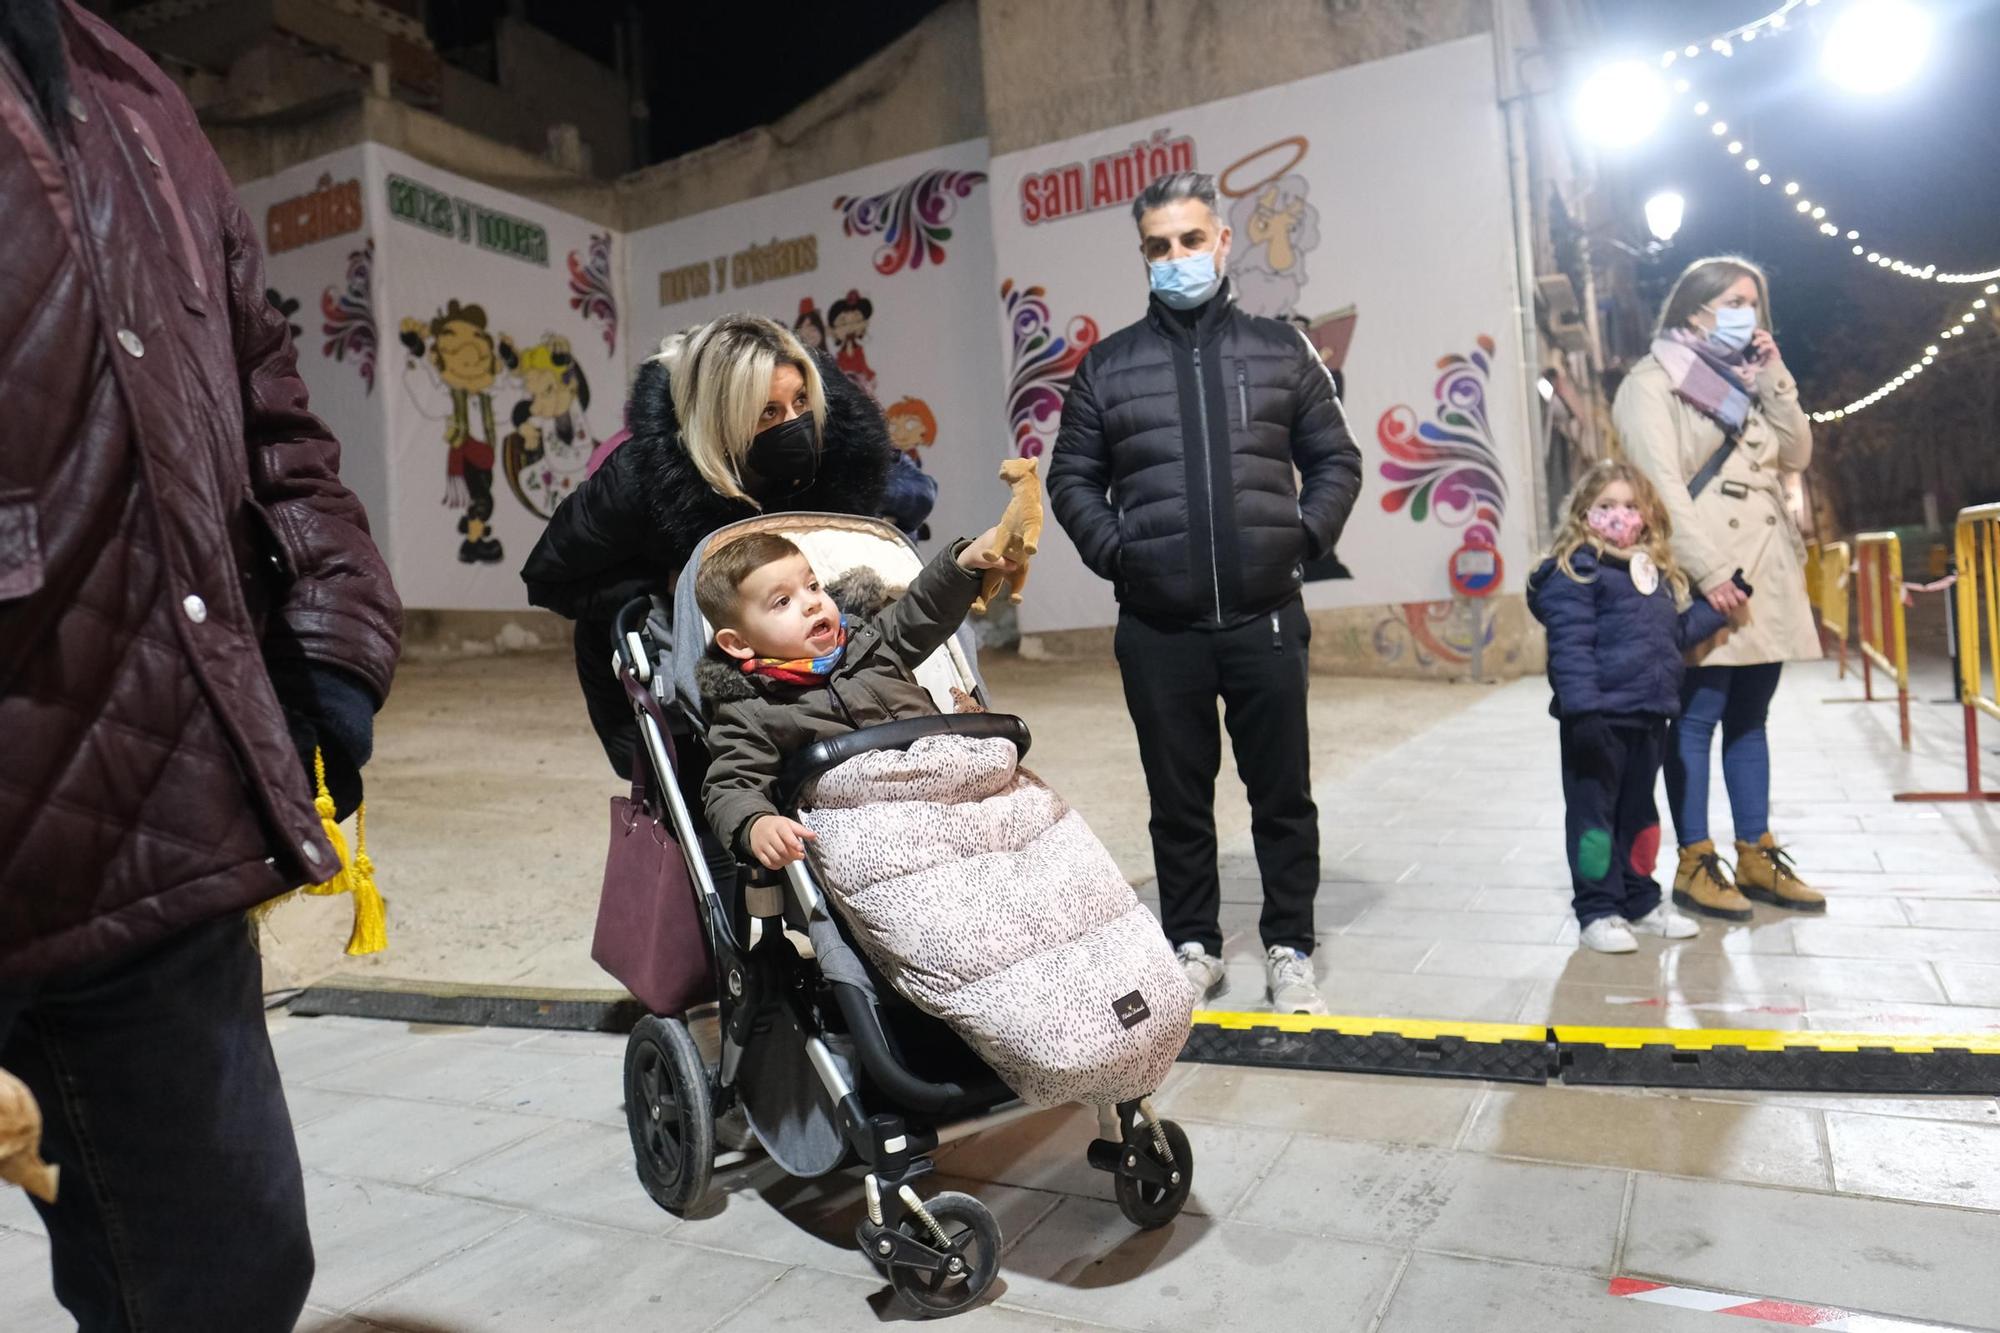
<point x="181" y="1205"/>
<point x="1738" y="698"/>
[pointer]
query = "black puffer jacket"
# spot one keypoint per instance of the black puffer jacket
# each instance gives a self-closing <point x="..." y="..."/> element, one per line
<point x="627" y="531"/>
<point x="1173" y="474"/>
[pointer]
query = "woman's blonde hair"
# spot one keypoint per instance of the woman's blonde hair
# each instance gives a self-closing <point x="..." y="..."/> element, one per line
<point x="721" y="377"/>
<point x="1703" y="281"/>
<point x="1575" y="533"/>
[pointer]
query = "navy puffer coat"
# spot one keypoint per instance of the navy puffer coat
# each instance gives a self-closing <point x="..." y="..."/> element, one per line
<point x="1613" y="649"/>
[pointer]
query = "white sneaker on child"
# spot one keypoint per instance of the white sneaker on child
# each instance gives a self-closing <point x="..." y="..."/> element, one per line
<point x="1204" y="970"/>
<point x="1609" y="934"/>
<point x="1665" y="922"/>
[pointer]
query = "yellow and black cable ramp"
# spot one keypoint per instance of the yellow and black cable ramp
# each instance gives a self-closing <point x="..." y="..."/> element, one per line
<point x="1717" y="1058"/>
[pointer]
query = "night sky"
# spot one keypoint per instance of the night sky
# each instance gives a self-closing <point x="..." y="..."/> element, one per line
<point x="1916" y="170"/>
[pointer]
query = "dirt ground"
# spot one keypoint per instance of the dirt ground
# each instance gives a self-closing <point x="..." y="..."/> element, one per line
<point x="488" y="806"/>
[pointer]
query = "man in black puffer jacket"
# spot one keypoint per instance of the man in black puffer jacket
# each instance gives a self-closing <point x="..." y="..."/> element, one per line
<point x="1173" y="474"/>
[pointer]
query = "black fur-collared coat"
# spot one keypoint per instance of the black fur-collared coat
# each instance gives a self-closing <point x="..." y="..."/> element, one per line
<point x="627" y="531"/>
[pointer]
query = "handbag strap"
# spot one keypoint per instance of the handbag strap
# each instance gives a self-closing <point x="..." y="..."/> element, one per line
<point x="1699" y="482"/>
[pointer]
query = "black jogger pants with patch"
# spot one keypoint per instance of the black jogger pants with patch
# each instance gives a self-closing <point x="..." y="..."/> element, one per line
<point x="1612" y="825"/>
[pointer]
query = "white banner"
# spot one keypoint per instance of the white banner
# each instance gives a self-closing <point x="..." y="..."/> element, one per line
<point x="892" y="266"/>
<point x="320" y="270"/>
<point x="1369" y="205"/>
<point x="501" y="368"/>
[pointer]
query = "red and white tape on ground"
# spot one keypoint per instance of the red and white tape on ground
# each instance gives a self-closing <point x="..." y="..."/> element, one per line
<point x="1774" y="1312"/>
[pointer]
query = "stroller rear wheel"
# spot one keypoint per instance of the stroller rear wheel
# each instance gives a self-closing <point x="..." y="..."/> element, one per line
<point x="668" y="1113"/>
<point x="1149" y="1204"/>
<point x="971" y="1239"/>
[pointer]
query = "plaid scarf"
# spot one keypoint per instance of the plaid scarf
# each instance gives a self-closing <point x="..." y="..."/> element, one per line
<point x="1712" y="382"/>
<point x="800" y="670"/>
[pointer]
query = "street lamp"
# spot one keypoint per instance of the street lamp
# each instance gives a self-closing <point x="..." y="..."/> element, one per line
<point x="1621" y="103"/>
<point x="1876" y="45"/>
<point x="1663" y="215"/>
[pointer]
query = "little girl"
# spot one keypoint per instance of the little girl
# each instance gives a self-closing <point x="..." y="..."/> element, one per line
<point x="1612" y="598"/>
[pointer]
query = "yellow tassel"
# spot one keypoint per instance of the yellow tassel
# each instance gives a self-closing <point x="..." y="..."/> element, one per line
<point x="356" y="873"/>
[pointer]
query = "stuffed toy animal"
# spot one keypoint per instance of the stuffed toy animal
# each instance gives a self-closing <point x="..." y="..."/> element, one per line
<point x="21" y="1141"/>
<point x="1020" y="530"/>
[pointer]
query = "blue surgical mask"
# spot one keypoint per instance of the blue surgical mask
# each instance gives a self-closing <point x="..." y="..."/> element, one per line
<point x="1733" y="326"/>
<point x="1185" y="283"/>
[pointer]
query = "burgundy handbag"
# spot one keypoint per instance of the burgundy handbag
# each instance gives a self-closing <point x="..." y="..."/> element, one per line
<point x="649" y="929"/>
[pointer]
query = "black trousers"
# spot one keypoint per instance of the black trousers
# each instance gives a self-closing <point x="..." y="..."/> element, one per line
<point x="181" y="1205"/>
<point x="1611" y="824"/>
<point x="1172" y="679"/>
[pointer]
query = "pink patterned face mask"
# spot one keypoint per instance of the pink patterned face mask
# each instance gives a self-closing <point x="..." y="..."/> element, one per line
<point x="1621" y="525"/>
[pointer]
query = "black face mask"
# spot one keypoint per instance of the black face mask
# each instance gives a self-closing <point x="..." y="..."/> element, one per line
<point x="782" y="459"/>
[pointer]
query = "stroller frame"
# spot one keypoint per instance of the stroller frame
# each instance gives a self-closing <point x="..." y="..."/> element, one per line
<point x="940" y="1256"/>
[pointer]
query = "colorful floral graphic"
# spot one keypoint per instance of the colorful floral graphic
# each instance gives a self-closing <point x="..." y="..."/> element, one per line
<point x="911" y="219"/>
<point x="1448" y="468"/>
<point x="350" y="315"/>
<point x="1042" y="365"/>
<point x="590" y="288"/>
<point x="1435" y="631"/>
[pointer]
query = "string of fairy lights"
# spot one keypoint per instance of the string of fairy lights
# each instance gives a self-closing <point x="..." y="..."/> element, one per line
<point x="1723" y="45"/>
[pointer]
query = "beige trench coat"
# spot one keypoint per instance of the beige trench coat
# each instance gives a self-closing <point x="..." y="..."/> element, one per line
<point x="1740" y="520"/>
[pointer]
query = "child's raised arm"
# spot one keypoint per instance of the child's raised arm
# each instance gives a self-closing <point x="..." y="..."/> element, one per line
<point x="937" y="600"/>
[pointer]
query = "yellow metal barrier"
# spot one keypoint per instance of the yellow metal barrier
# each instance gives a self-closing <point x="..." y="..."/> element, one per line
<point x="1828" y="573"/>
<point x="1978" y="593"/>
<point x="1878" y="604"/>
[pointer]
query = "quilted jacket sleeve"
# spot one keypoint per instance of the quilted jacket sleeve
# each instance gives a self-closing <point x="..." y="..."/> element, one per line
<point x="1569" y="611"/>
<point x="1324" y="451"/>
<point x="1699" y="622"/>
<point x="1080" y="477"/>
<point x="340" y="608"/>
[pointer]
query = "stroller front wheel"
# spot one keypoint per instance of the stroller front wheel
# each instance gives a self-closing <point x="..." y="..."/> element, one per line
<point x="971" y="1239"/>
<point x="668" y="1113"/>
<point x="1147" y="1205"/>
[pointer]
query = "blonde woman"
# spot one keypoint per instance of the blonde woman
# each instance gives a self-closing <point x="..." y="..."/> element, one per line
<point x="730" y="419"/>
<point x="1712" y="417"/>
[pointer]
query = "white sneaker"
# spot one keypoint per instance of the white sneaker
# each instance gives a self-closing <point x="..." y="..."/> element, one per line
<point x="1204" y="971"/>
<point x="1288" y="980"/>
<point x="1668" y="924"/>
<point x="1609" y="934"/>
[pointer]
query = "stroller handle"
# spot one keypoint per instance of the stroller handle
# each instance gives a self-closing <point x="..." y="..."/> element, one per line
<point x="628" y="649"/>
<point x="822" y="756"/>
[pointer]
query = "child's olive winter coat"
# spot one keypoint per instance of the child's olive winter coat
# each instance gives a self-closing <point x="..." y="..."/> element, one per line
<point x="757" y="723"/>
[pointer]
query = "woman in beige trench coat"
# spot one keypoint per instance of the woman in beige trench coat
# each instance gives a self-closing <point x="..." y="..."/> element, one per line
<point x="1715" y="373"/>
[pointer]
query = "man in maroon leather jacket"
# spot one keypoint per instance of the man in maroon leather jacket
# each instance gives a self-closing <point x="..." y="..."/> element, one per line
<point x="174" y="538"/>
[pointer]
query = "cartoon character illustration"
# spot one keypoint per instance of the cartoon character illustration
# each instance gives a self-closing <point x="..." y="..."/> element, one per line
<point x="453" y="364"/>
<point x="547" y="454"/>
<point x="847" y="320"/>
<point x="1276" y="228"/>
<point x="912" y="426"/>
<point x="809" y="327"/>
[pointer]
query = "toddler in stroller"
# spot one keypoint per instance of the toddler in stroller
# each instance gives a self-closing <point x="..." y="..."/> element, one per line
<point x="1003" y="964"/>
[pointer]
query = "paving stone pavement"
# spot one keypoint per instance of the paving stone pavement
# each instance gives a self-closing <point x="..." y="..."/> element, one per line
<point x="480" y="1179"/>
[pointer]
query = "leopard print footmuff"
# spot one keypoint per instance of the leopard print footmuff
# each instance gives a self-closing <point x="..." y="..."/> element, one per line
<point x="988" y="903"/>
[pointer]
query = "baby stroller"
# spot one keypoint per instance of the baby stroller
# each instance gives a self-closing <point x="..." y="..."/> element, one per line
<point x="830" y="1065"/>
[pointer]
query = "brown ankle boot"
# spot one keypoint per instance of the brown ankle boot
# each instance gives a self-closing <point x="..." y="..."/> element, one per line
<point x="1764" y="872"/>
<point x="1703" y="884"/>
